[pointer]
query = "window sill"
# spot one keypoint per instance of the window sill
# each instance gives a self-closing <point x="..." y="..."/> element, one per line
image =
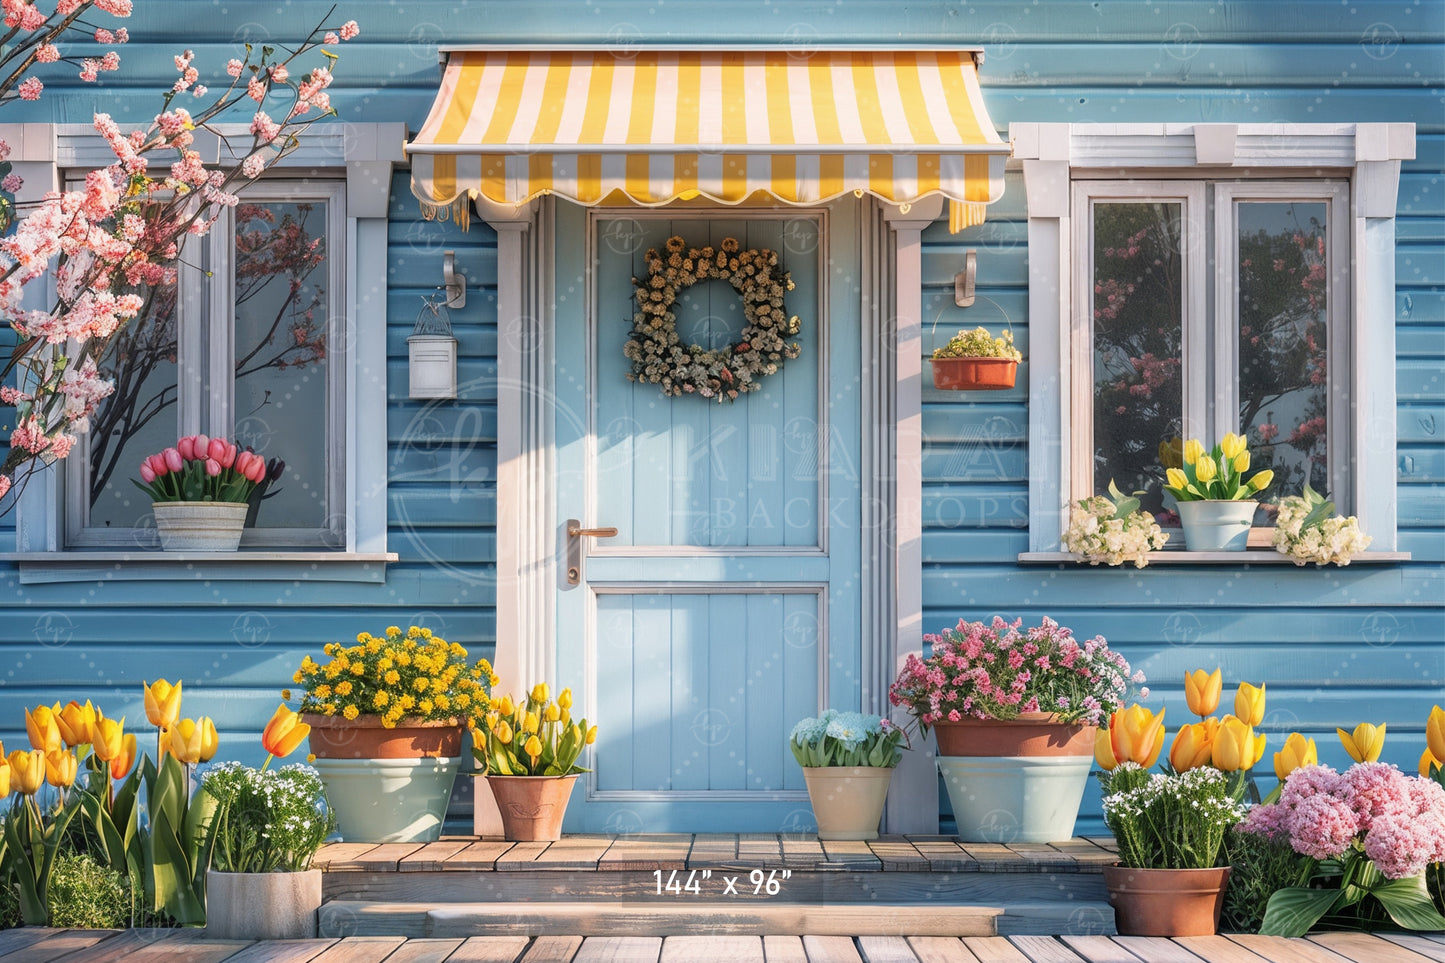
<point x="1252" y="556"/>
<point x="250" y="565"/>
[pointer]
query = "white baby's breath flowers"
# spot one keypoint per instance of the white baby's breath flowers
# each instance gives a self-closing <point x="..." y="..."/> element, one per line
<point x="1305" y="537"/>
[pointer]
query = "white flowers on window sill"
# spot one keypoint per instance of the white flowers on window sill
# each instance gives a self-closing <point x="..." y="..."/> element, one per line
<point x="1308" y="530"/>
<point x="1112" y="530"/>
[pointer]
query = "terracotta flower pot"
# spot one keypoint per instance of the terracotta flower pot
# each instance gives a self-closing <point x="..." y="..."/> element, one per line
<point x="847" y="800"/>
<point x="1166" y="902"/>
<point x="1031" y="734"/>
<point x="532" y="807"/>
<point x="364" y="737"/>
<point x="974" y="374"/>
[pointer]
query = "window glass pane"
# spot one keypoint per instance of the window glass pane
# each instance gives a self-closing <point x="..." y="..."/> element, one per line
<point x="1283" y="369"/>
<point x="1138" y="332"/>
<point x="140" y="417"/>
<point x="281" y="336"/>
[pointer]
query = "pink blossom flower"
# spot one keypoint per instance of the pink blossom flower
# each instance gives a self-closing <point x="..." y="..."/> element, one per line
<point x="349" y="30"/>
<point x="104" y="36"/>
<point x="253" y="166"/>
<point x="256" y="89"/>
<point x="331" y="38"/>
<point x="4" y="485"/>
<point x="234" y="67"/>
<point x="122" y="35"/>
<point x="11" y="183"/>
<point x="30" y="89"/>
<point x="47" y="53"/>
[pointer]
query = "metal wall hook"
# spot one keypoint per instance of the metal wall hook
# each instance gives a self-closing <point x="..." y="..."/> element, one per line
<point x="456" y="283"/>
<point x="964" y="281"/>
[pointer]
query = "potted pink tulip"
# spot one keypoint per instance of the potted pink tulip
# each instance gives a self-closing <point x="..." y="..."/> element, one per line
<point x="200" y="490"/>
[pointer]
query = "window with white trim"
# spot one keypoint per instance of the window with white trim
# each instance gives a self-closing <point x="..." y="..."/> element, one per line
<point x="1208" y="307"/>
<point x="248" y="344"/>
<point x="1187" y="280"/>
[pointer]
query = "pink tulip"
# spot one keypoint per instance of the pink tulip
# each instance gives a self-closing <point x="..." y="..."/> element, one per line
<point x="216" y="450"/>
<point x="157" y="465"/>
<point x="187" y="447"/>
<point x="242" y="460"/>
<point x="202" y="445"/>
<point x="173" y="459"/>
<point x="146" y="474"/>
<point x="230" y="458"/>
<point x="258" y="469"/>
<point x="213" y="467"/>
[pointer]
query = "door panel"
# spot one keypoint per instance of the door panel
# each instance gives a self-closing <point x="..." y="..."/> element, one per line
<point x="727" y="606"/>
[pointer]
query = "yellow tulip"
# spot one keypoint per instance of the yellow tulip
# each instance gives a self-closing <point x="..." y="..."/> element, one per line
<point x="530" y="723"/>
<point x="533" y="748"/>
<point x="503" y="732"/>
<point x="27" y="771"/>
<point x="1435" y="732"/>
<point x="1176" y="478"/>
<point x="1205" y="469"/>
<point x="1193" y="745"/>
<point x="1192" y="451"/>
<point x="1103" y="751"/>
<point x="108" y="736"/>
<point x="1233" y="446"/>
<point x="163" y="703"/>
<point x="41" y="726"/>
<point x="591" y="736"/>
<point x="1241" y="462"/>
<point x="1298" y="751"/>
<point x="210" y="739"/>
<point x="284" y="732"/>
<point x="540" y="692"/>
<point x="1249" y="704"/>
<point x="505" y="707"/>
<point x="184" y="741"/>
<point x="1236" y="746"/>
<point x="565" y="699"/>
<point x="60" y="768"/>
<point x="1365" y="743"/>
<point x="1201" y="691"/>
<point x="120" y="766"/>
<point x="1261" y="480"/>
<point x="1137" y="735"/>
<point x="76" y="722"/>
<point x="1427" y="760"/>
<point x="4" y="776"/>
<point x="553" y="712"/>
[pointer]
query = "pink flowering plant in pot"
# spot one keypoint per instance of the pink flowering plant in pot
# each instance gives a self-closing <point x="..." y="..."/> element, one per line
<point x="1000" y="670"/>
<point x="202" y="469"/>
<point x="1368" y="836"/>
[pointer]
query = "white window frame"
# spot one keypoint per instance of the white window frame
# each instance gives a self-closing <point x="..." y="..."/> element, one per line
<point x="365" y="155"/>
<point x="1366" y="156"/>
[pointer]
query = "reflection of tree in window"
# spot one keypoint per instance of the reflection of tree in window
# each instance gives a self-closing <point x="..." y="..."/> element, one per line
<point x="1283" y="366"/>
<point x="1137" y="328"/>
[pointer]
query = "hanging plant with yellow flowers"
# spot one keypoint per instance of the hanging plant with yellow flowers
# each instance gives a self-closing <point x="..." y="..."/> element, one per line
<point x="657" y="353"/>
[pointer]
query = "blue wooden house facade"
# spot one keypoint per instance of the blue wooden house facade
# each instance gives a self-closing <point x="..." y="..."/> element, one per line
<point x="780" y="553"/>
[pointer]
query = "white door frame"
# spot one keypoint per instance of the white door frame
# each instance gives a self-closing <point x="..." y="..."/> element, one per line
<point x="527" y="564"/>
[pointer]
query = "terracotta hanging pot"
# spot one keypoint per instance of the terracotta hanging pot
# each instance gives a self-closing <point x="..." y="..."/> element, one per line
<point x="1030" y="734"/>
<point x="364" y="737"/>
<point x="532" y="807"/>
<point x="1166" y="902"/>
<point x="974" y="374"/>
<point x="847" y="800"/>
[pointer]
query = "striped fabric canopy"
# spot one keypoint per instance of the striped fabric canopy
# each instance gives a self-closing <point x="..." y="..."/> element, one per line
<point x="653" y="126"/>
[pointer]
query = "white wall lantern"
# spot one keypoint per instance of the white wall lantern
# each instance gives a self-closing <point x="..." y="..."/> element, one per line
<point x="431" y="349"/>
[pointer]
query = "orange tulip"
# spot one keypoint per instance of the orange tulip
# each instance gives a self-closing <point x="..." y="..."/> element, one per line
<point x="1193" y="745"/>
<point x="1103" y="751"/>
<point x="1137" y="735"/>
<point x="1236" y="747"/>
<point x="184" y="740"/>
<point x="76" y="723"/>
<point x="210" y="739"/>
<point x="1427" y="762"/>
<point x="1298" y="751"/>
<point x="1365" y="743"/>
<point x="108" y="735"/>
<point x="163" y="703"/>
<point x="121" y="763"/>
<point x="60" y="768"/>
<point x="1249" y="704"/>
<point x="27" y="771"/>
<point x="1202" y="690"/>
<point x="1435" y="732"/>
<point x="4" y="774"/>
<point x="284" y="732"/>
<point x="41" y="726"/>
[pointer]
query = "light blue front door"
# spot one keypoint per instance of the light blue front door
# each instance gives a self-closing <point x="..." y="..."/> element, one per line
<point x="727" y="606"/>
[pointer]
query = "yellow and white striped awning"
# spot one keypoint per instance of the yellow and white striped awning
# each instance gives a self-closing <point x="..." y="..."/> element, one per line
<point x="652" y="126"/>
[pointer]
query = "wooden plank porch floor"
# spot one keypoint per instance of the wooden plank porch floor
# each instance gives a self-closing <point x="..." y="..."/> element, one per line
<point x="35" y="945"/>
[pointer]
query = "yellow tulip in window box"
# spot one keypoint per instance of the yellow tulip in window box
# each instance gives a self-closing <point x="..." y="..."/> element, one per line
<point x="1216" y="504"/>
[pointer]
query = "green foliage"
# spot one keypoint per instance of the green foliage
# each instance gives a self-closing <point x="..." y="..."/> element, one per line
<point x="88" y="895"/>
<point x="1260" y="867"/>
<point x="846" y="739"/>
<point x="266" y="820"/>
<point x="1351" y="892"/>
<point x="1169" y="820"/>
<point x="978" y="343"/>
<point x="32" y="842"/>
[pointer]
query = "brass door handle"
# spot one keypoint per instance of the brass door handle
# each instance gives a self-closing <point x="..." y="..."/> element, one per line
<point x="575" y="534"/>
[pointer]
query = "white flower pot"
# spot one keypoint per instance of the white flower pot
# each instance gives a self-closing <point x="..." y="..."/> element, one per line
<point x="1216" y="525"/>
<point x="847" y="800"/>
<point x="262" y="906"/>
<point x="1015" y="799"/>
<point x="389" y="800"/>
<point x="200" y="526"/>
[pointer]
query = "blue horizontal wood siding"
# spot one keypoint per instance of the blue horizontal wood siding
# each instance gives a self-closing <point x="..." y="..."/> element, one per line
<point x="1336" y="646"/>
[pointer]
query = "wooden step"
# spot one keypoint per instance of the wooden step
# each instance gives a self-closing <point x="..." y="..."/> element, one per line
<point x="1043" y="917"/>
<point x="341" y="918"/>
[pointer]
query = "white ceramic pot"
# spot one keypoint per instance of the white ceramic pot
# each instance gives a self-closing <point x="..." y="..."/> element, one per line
<point x="262" y="906"/>
<point x="200" y="526"/>
<point x="1015" y="799"/>
<point x="1216" y="525"/>
<point x="389" y="800"/>
<point x="847" y="800"/>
